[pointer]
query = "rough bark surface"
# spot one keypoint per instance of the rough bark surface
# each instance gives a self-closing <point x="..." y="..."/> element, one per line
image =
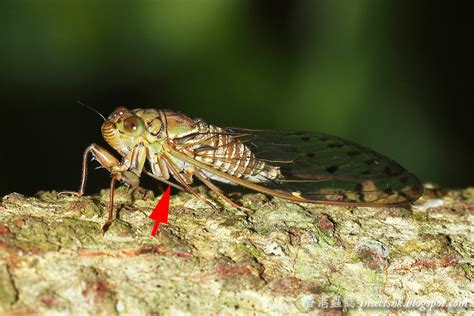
<point x="272" y="257"/>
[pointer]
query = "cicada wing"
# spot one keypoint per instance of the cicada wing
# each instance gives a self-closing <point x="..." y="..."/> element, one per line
<point x="319" y="168"/>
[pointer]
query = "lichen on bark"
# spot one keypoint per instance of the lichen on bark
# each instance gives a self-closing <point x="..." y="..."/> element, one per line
<point x="271" y="257"/>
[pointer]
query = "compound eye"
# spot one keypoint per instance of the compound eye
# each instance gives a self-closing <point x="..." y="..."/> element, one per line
<point x="133" y="125"/>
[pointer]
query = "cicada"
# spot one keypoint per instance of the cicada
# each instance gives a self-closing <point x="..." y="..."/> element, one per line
<point x="303" y="167"/>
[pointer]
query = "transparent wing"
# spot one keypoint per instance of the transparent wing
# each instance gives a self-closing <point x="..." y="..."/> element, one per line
<point x="320" y="168"/>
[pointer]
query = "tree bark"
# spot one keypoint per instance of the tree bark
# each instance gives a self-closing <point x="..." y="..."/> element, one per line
<point x="271" y="257"/>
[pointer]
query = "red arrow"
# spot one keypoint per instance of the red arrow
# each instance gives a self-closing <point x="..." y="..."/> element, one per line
<point x="160" y="212"/>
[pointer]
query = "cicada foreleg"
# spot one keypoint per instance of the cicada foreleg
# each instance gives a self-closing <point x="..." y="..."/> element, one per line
<point x="106" y="159"/>
<point x="118" y="170"/>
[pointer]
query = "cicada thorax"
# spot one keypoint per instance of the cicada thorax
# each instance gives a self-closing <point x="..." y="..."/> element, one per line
<point x="225" y="152"/>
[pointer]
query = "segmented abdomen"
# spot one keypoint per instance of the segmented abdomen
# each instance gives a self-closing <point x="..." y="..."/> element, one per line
<point x="225" y="152"/>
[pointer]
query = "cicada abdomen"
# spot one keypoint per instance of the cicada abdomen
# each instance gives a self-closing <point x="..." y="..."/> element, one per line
<point x="225" y="152"/>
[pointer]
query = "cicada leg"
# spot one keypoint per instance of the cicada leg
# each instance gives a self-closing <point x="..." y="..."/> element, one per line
<point x="174" y="185"/>
<point x="215" y="189"/>
<point x="108" y="161"/>
<point x="184" y="180"/>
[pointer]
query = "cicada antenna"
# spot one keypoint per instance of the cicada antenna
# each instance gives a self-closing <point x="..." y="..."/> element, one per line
<point x="91" y="108"/>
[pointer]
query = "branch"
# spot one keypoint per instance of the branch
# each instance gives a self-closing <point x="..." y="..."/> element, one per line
<point x="271" y="257"/>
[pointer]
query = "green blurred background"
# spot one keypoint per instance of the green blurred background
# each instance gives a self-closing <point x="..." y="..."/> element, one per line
<point x="394" y="76"/>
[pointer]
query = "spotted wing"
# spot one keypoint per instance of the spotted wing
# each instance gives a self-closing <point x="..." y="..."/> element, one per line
<point x="319" y="168"/>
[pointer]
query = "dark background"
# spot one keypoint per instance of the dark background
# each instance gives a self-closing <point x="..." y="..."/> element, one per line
<point x="394" y="76"/>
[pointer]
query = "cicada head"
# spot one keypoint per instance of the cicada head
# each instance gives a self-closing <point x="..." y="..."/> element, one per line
<point x="123" y="130"/>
